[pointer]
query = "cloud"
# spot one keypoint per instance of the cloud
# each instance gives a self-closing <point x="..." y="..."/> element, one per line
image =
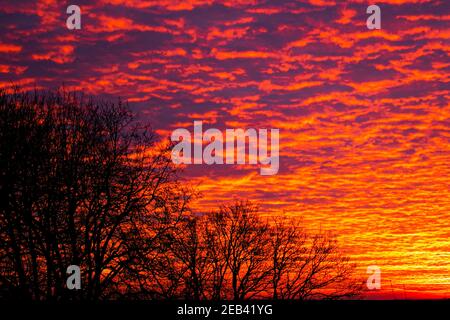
<point x="363" y="114"/>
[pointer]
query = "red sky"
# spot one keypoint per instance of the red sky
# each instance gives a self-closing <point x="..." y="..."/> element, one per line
<point x="363" y="115"/>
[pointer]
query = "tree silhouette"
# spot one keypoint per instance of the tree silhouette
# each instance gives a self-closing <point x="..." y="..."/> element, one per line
<point x="237" y="238"/>
<point x="235" y="254"/>
<point x="80" y="184"/>
<point x="308" y="266"/>
<point x="83" y="183"/>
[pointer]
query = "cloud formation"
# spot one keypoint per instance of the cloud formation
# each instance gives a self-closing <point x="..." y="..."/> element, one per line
<point x="363" y="114"/>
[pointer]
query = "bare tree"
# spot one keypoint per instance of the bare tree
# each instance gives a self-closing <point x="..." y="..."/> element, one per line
<point x="189" y="249"/>
<point x="252" y="258"/>
<point x="287" y="246"/>
<point x="306" y="266"/>
<point x="238" y="238"/>
<point x="81" y="183"/>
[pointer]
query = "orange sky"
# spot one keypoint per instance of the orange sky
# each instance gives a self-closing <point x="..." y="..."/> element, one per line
<point x="363" y="115"/>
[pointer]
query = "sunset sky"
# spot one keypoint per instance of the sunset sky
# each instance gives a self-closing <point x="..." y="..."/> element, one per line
<point x="364" y="115"/>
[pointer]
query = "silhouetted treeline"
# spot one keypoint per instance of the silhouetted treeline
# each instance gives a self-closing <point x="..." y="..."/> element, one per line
<point x="83" y="183"/>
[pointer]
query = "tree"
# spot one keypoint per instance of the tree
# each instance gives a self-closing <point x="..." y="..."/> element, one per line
<point x="81" y="183"/>
<point x="287" y="246"/>
<point x="236" y="242"/>
<point x="308" y="266"/>
<point x="189" y="249"/>
<point x="249" y="257"/>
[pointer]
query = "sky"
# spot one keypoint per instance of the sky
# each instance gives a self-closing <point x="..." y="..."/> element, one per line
<point x="363" y="114"/>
